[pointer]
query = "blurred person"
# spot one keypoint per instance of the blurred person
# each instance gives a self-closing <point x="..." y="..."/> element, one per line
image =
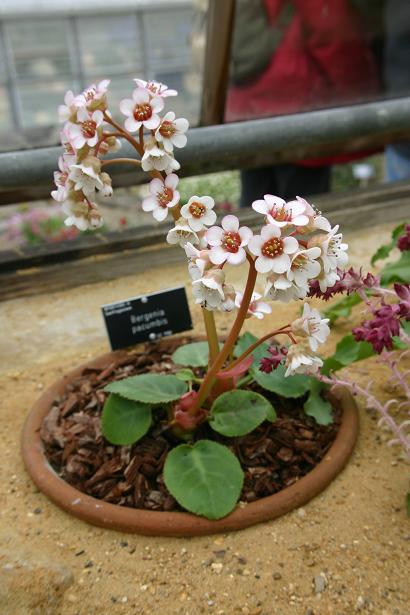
<point x="290" y="56"/>
<point x="397" y="78"/>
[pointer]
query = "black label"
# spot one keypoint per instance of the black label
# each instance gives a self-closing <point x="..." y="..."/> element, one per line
<point x="147" y="317"/>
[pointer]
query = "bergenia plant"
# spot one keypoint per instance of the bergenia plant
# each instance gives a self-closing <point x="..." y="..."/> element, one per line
<point x="293" y="248"/>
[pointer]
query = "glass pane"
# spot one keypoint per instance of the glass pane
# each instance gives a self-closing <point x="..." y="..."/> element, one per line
<point x="5" y="116"/>
<point x="40" y="101"/>
<point x="168" y="39"/>
<point x="39" y="48"/>
<point x="109" y="45"/>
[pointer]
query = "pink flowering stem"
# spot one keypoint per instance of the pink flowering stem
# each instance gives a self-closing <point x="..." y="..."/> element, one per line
<point x="216" y="366"/>
<point x="251" y="348"/>
<point x="104" y="163"/>
<point x="373" y="402"/>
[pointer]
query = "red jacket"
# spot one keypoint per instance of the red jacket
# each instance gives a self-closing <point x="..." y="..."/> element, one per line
<point x="322" y="60"/>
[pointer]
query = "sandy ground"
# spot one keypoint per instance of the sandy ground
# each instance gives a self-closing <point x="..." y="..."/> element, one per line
<point x="353" y="539"/>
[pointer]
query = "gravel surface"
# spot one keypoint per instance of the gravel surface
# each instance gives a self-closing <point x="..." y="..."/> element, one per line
<point x="344" y="552"/>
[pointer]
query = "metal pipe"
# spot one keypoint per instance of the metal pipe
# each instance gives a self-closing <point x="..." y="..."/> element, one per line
<point x="27" y="175"/>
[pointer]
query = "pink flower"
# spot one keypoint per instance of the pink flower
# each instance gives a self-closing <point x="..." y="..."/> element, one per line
<point x="199" y="212"/>
<point x="93" y="97"/>
<point x="380" y="330"/>
<point x="272" y="250"/>
<point x="171" y="131"/>
<point x="278" y="212"/>
<point x="277" y="356"/>
<point x="163" y="196"/>
<point x="403" y="242"/>
<point x="403" y="292"/>
<point x="85" y="132"/>
<point x="142" y="110"/>
<point x="227" y="243"/>
<point x="68" y="109"/>
<point x="61" y="178"/>
<point x="156" y="88"/>
<point x="256" y="307"/>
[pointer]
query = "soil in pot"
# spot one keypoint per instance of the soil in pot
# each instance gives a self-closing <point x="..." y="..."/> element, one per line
<point x="273" y="457"/>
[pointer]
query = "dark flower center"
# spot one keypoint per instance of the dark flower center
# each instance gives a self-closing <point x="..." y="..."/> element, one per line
<point x="231" y="242"/>
<point x="164" y="197"/>
<point x="142" y="112"/>
<point x="273" y="247"/>
<point x="197" y="209"/>
<point x="167" y="129"/>
<point x="88" y="128"/>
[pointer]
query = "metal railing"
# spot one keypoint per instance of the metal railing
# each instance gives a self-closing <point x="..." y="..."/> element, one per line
<point x="27" y="175"/>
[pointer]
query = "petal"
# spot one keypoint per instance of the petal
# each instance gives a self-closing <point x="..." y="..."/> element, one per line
<point x="260" y="206"/>
<point x="230" y="223"/>
<point x="269" y="231"/>
<point x="209" y="217"/>
<point x="236" y="258"/>
<point x="98" y="117"/>
<point x="255" y="245"/>
<point x="149" y="204"/>
<point x="263" y="264"/>
<point x="179" y="140"/>
<point x="140" y="96"/>
<point x="206" y="200"/>
<point x="171" y="181"/>
<point x="182" y="124"/>
<point x="282" y="283"/>
<point x="217" y="255"/>
<point x="214" y="236"/>
<point x="160" y="213"/>
<point x="157" y="104"/>
<point x="132" y="125"/>
<point x="290" y="245"/>
<point x="153" y="122"/>
<point x="278" y="223"/>
<point x="281" y="263"/>
<point x="300" y="220"/>
<point x="127" y="106"/>
<point x="274" y="201"/>
<point x="156" y="185"/>
<point x="263" y="307"/>
<point x="245" y="234"/>
<point x="185" y="213"/>
<point x="196" y="224"/>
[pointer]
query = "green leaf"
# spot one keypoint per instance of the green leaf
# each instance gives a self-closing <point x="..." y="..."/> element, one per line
<point x="185" y="374"/>
<point x="398" y="271"/>
<point x="318" y="407"/>
<point x="246" y="340"/>
<point x="149" y="388"/>
<point x="292" y="386"/>
<point x="384" y="251"/>
<point x="397" y="343"/>
<point x="348" y="351"/>
<point x="342" y="308"/>
<point x="205" y="478"/>
<point x="123" y="421"/>
<point x="193" y="355"/>
<point x="238" y="412"/>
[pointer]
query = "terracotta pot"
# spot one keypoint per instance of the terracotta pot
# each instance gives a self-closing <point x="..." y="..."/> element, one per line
<point x="155" y="523"/>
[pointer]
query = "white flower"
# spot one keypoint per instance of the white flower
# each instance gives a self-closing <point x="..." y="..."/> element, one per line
<point x="141" y="110"/>
<point x="198" y="261"/>
<point x="85" y="216"/>
<point x="333" y="249"/>
<point x="155" y="158"/>
<point x="228" y="242"/>
<point x="163" y="196"/>
<point x="208" y="290"/>
<point x="199" y="212"/>
<point x="228" y="304"/>
<point x="170" y="132"/>
<point x="272" y="250"/>
<point x="94" y="96"/>
<point x="106" y="190"/>
<point x="182" y="233"/>
<point x="301" y="360"/>
<point x="256" y="307"/>
<point x="155" y="88"/>
<point x="280" y="288"/>
<point x="280" y="213"/>
<point x="86" y="176"/>
<point x="327" y="279"/>
<point x="85" y="132"/>
<point x="61" y="178"/>
<point x="312" y="326"/>
<point x="69" y="109"/>
<point x="304" y="266"/>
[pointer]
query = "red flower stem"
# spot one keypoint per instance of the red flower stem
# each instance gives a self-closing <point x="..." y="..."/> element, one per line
<point x="209" y="379"/>
<point x="124" y="134"/>
<point x="104" y="163"/>
<point x="251" y="348"/>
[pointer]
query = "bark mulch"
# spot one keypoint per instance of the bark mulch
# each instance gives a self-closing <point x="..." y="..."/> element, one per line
<point x="273" y="456"/>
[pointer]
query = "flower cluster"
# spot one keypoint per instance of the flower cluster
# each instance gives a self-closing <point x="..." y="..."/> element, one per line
<point x="403" y="242"/>
<point x="87" y="136"/>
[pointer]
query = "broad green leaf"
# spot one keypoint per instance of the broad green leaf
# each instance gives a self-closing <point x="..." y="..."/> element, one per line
<point x="398" y="271"/>
<point x="397" y="342"/>
<point x="384" y="251"/>
<point x="292" y="386"/>
<point x="238" y="412"/>
<point x="342" y="308"/>
<point x="347" y="351"/>
<point x="149" y="388"/>
<point x="205" y="478"/>
<point x="185" y="374"/>
<point x="246" y="340"/>
<point x="123" y="421"/>
<point x="192" y="355"/>
<point x="318" y="407"/>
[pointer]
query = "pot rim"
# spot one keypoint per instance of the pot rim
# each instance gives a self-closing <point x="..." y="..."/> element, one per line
<point x="158" y="523"/>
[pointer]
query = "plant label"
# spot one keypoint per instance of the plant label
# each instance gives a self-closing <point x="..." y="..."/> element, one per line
<point x="147" y="317"/>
